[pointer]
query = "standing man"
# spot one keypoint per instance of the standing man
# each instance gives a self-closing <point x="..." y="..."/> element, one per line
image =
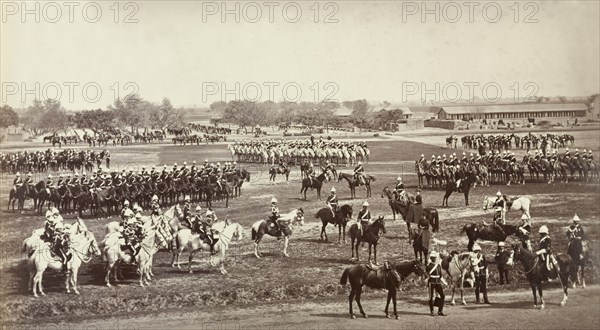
<point x="501" y="256"/>
<point x="481" y="274"/>
<point x="434" y="282"/>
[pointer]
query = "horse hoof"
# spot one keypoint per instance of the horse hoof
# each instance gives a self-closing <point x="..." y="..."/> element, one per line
<point x="453" y="303"/>
<point x="365" y="316"/>
<point x="464" y="303"/>
<point x="387" y="316"/>
<point x="286" y="255"/>
<point x="562" y="303"/>
<point x="542" y="306"/>
<point x="351" y="316"/>
<point x="76" y="292"/>
<point x="191" y="271"/>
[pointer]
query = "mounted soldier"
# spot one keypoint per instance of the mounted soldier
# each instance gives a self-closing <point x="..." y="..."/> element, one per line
<point x="187" y="211"/>
<point x="17" y="182"/>
<point x="28" y="183"/>
<point x="576" y="234"/>
<point x="275" y="216"/>
<point x="55" y="234"/>
<point x="363" y="219"/>
<point x="332" y="202"/>
<point x="125" y="210"/>
<point x="133" y="232"/>
<point x="525" y="229"/>
<point x="329" y="166"/>
<point x="359" y="173"/>
<point x="202" y="227"/>
<point x="49" y="183"/>
<point x="399" y="189"/>
<point x="545" y="250"/>
<point x="154" y="206"/>
<point x="310" y="173"/>
<point x="499" y="208"/>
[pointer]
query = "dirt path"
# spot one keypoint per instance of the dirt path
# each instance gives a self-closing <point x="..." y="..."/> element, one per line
<point x="508" y="311"/>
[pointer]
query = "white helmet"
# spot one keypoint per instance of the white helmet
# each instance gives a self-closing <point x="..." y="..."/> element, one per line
<point x="524" y="217"/>
<point x="128" y="213"/>
<point x="434" y="254"/>
<point x="366" y="203"/>
<point x="155" y="198"/>
<point x="422" y="156"/>
<point x="576" y="218"/>
<point x="55" y="211"/>
<point x="187" y="198"/>
<point x="198" y="208"/>
<point x="48" y="214"/>
<point x="501" y="244"/>
<point x="49" y="176"/>
<point x="399" y="178"/>
<point x="476" y="247"/>
<point x="273" y="200"/>
<point x="18" y="174"/>
<point x="138" y="216"/>
<point x="543" y="230"/>
<point x="332" y="189"/>
<point x="498" y="194"/>
<point x="59" y="225"/>
<point x="359" y="163"/>
<point x="126" y="202"/>
<point x="209" y="213"/>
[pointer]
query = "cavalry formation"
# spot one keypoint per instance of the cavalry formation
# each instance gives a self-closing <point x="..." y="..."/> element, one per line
<point x="103" y="191"/>
<point x="295" y="152"/>
<point x="504" y="168"/>
<point x="512" y="141"/>
<point x="53" y="161"/>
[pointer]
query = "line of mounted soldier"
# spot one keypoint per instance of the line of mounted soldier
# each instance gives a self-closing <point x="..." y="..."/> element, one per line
<point x="105" y="189"/>
<point x="504" y="168"/>
<point x="513" y="141"/>
<point x="49" y="160"/>
<point x="297" y="152"/>
<point x="183" y="135"/>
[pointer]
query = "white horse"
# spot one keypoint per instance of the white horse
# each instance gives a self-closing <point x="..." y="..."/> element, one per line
<point x="34" y="241"/>
<point x="224" y="232"/>
<point x="518" y="204"/>
<point x="111" y="251"/>
<point x="458" y="267"/>
<point x="82" y="246"/>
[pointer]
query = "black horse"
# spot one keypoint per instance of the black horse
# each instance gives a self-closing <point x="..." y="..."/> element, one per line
<point x="274" y="170"/>
<point x="465" y="185"/>
<point x="579" y="252"/>
<point x="317" y="183"/>
<point x="370" y="235"/>
<point x="341" y="218"/>
<point x="537" y="272"/>
<point x="383" y="278"/>
<point x="400" y="207"/>
<point x="485" y="232"/>
<point x="353" y="183"/>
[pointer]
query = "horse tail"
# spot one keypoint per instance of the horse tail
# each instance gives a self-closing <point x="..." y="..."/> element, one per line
<point x="344" y="278"/>
<point x="372" y="178"/>
<point x="464" y="228"/>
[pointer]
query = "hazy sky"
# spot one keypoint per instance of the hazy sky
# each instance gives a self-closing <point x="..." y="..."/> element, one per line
<point x="187" y="51"/>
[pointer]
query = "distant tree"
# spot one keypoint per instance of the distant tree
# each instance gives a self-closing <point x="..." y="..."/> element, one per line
<point x="8" y="116"/>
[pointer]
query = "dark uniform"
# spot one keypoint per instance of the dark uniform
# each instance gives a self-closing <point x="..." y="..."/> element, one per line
<point x="434" y="282"/>
<point x="332" y="201"/>
<point x="481" y="277"/>
<point x="502" y="268"/>
<point x="364" y="217"/>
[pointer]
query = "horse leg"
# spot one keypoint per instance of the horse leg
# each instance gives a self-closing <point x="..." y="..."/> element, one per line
<point x="323" y="231"/>
<point x="375" y="252"/>
<point x="256" y="253"/>
<point x="453" y="302"/>
<point x="286" y="240"/>
<point x="190" y="259"/>
<point x="394" y="302"/>
<point x="74" y="271"/>
<point x="462" y="290"/>
<point x="358" y="293"/>
<point x="542" y="303"/>
<point x="369" y="260"/>
<point x="350" y="299"/>
<point x="387" y="303"/>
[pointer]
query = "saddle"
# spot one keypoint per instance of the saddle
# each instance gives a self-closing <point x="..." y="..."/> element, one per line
<point x="386" y="269"/>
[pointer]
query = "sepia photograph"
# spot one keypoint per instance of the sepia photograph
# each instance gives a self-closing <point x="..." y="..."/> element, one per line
<point x="308" y="164"/>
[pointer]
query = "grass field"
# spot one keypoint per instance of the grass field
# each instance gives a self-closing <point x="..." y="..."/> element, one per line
<point x="313" y="268"/>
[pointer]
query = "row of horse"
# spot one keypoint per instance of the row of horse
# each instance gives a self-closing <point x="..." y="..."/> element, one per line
<point x="107" y="201"/>
<point x="53" y="161"/>
<point x="506" y="142"/>
<point x="298" y="155"/>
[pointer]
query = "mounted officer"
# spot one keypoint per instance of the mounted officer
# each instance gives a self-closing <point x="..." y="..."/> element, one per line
<point x="154" y="206"/>
<point x="310" y="172"/>
<point x="359" y="173"/>
<point x="525" y="230"/>
<point x="499" y="208"/>
<point x="364" y="218"/>
<point x="124" y="210"/>
<point x="187" y="211"/>
<point x="28" y="183"/>
<point x="17" y="182"/>
<point x="545" y="249"/>
<point x="202" y="227"/>
<point x="399" y="189"/>
<point x="49" y="183"/>
<point x="275" y="216"/>
<point x="58" y="238"/>
<point x="332" y="202"/>
<point x="133" y="232"/>
<point x="575" y="234"/>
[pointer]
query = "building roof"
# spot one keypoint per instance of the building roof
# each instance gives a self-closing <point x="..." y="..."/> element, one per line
<point x="425" y="109"/>
<point x="510" y="108"/>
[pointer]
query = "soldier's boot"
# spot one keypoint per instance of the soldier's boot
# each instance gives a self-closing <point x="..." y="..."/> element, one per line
<point x="485" y="298"/>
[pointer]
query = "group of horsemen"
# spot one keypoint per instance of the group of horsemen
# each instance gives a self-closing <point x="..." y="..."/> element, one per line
<point x="252" y="150"/>
<point x="504" y="157"/>
<point x="102" y="179"/>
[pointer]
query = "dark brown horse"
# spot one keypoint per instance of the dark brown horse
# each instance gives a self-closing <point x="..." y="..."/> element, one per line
<point x="537" y="272"/>
<point x="341" y="218"/>
<point x="370" y="235"/>
<point x="485" y="232"/>
<point x="400" y="207"/>
<point x="465" y="185"/>
<point x="317" y="183"/>
<point x="353" y="183"/>
<point x="383" y="278"/>
<point x="579" y="252"/>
